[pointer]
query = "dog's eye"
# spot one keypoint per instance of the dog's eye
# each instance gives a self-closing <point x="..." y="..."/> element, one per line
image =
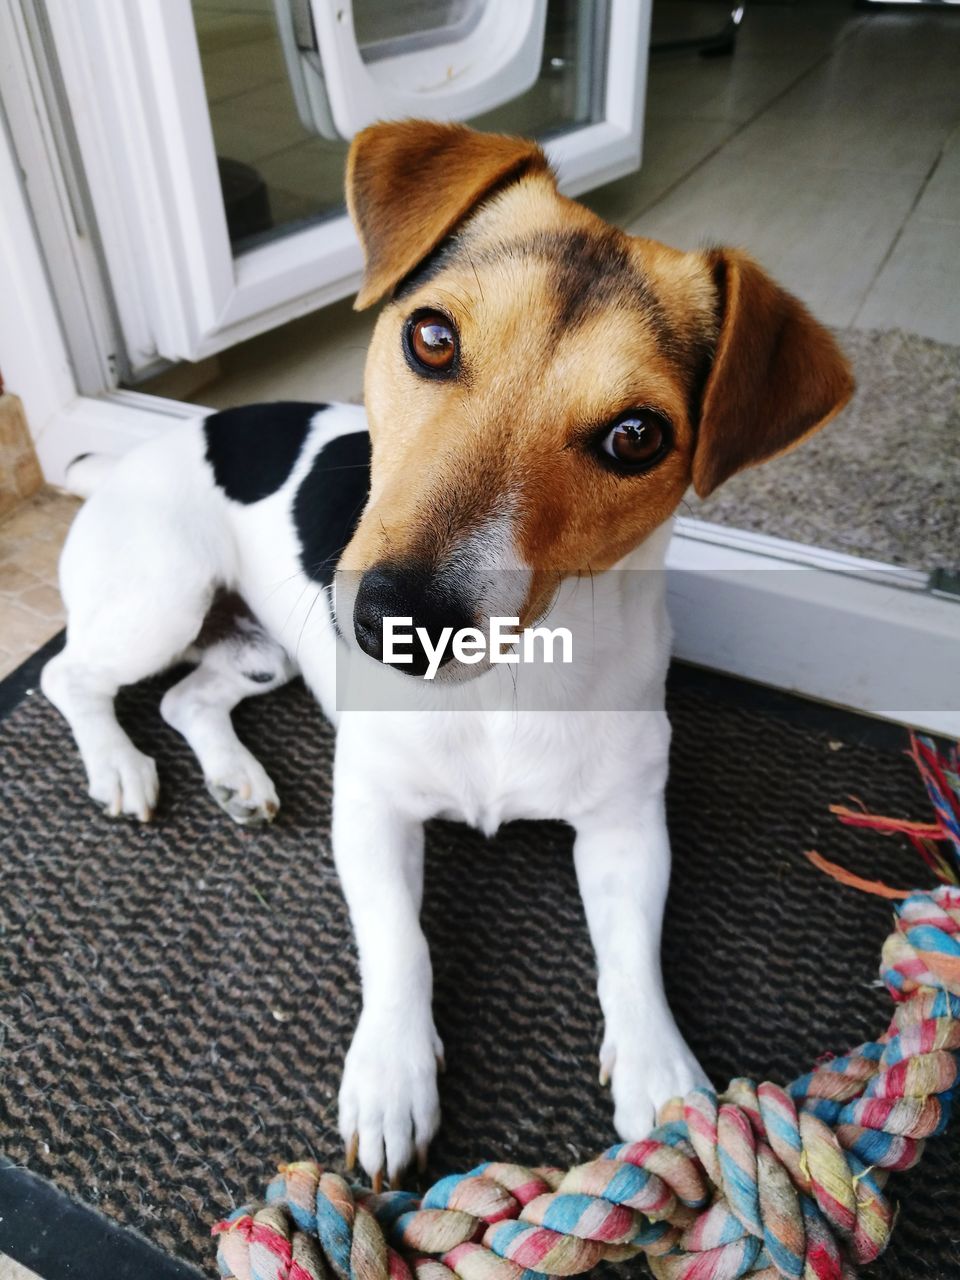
<point x="637" y="439"/>
<point x="432" y="341"/>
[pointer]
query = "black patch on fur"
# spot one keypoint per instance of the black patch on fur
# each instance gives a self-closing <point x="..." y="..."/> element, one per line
<point x="701" y="355"/>
<point x="329" y="503"/>
<point x="443" y="256"/>
<point x="702" y="350"/>
<point x="589" y="269"/>
<point x="253" y="449"/>
<point x="593" y="270"/>
<point x="227" y="610"/>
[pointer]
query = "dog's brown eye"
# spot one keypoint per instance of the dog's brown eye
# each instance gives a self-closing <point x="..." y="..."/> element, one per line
<point x="432" y="341"/>
<point x="637" y="439"/>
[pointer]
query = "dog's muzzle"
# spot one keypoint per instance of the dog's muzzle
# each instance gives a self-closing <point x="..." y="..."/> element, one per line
<point x="394" y="591"/>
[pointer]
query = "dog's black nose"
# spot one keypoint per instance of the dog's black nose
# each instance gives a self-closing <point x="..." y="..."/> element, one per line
<point x="395" y="591"/>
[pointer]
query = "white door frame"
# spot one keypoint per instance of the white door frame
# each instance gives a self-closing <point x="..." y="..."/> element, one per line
<point x="856" y="633"/>
<point x="809" y="621"/>
<point x="28" y="86"/>
<point x="132" y="74"/>
<point x="33" y="353"/>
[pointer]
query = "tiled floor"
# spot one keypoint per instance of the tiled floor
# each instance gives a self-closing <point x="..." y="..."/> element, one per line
<point x="840" y="168"/>
<point x="30" y="542"/>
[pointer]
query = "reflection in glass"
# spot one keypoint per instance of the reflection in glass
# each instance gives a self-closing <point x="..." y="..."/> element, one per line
<point x="277" y="173"/>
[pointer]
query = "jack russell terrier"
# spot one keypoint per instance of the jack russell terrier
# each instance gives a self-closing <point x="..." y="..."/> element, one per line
<point x="540" y="391"/>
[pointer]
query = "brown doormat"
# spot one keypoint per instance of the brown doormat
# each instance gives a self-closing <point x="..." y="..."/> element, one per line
<point x="176" y="1000"/>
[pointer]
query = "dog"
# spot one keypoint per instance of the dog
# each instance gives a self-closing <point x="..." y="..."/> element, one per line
<point x="541" y="389"/>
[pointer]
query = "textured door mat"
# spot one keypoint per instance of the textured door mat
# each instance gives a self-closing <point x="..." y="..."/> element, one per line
<point x="881" y="481"/>
<point x="176" y="1000"/>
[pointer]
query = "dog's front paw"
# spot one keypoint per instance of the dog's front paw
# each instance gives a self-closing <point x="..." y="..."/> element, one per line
<point x="242" y="787"/>
<point x="124" y="782"/>
<point x="646" y="1070"/>
<point x="389" y="1106"/>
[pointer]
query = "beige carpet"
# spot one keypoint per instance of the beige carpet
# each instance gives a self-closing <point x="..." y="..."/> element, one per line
<point x="882" y="481"/>
<point x="10" y="1270"/>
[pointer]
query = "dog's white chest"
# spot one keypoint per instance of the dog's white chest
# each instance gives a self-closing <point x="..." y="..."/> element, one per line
<point x="488" y="768"/>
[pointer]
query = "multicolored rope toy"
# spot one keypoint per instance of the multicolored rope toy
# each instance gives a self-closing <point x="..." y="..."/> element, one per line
<point x="940" y="771"/>
<point x="759" y="1181"/>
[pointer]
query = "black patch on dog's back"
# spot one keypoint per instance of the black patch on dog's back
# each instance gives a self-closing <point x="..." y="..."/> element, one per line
<point x="330" y="501"/>
<point x="253" y="449"/>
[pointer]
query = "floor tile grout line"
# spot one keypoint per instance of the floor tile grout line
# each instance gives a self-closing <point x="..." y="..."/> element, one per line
<point x="900" y="230"/>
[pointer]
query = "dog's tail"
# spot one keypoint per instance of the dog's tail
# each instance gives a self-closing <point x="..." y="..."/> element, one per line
<point x="88" y="471"/>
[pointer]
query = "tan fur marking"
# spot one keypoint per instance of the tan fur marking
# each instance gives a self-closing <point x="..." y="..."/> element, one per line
<point x="409" y="184"/>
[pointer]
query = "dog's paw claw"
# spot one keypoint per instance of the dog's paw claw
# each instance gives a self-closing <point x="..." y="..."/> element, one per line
<point x="389" y="1107"/>
<point x="243" y="790"/>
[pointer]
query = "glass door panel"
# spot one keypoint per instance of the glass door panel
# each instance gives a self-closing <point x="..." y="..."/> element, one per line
<point x="279" y="168"/>
<point x="277" y="176"/>
<point x="379" y="24"/>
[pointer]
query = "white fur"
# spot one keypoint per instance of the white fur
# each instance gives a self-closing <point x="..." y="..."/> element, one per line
<point x="139" y="570"/>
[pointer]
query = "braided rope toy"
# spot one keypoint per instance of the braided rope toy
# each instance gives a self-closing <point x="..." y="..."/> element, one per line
<point x="759" y="1181"/>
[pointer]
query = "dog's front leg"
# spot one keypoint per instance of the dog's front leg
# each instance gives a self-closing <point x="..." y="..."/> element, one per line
<point x="388" y="1097"/>
<point x="623" y="868"/>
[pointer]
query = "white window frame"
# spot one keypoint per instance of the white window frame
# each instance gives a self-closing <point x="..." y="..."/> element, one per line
<point x="132" y="74"/>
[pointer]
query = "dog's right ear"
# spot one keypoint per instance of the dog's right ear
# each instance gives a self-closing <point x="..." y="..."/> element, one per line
<point x="777" y="374"/>
<point x="410" y="183"/>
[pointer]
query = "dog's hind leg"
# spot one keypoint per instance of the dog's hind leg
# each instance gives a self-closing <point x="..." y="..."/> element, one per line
<point x="138" y="573"/>
<point x="235" y="665"/>
<point x="107" y="647"/>
<point x="120" y="777"/>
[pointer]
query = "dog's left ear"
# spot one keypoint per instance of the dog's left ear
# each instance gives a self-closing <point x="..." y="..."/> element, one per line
<point x="777" y="374"/>
<point x="410" y="183"/>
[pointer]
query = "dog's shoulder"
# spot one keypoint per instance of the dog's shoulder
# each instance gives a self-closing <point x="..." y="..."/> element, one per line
<point x="318" y="454"/>
<point x="253" y="449"/>
<point x="330" y="488"/>
<point x="311" y="460"/>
